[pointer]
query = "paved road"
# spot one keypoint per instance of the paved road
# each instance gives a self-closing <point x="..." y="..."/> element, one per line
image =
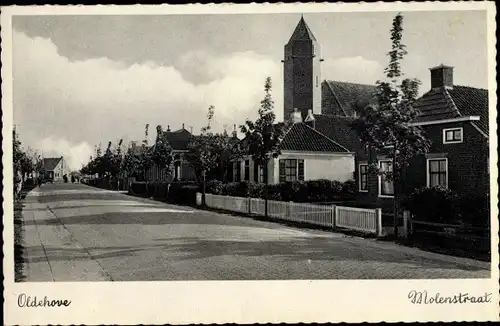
<point x="79" y="233"/>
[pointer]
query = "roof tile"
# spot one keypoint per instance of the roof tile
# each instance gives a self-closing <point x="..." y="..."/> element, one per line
<point x="301" y="137"/>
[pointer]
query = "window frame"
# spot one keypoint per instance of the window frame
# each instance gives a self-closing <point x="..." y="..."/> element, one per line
<point x="380" y="194"/>
<point x="446" y="130"/>
<point x="296" y="166"/>
<point x="428" y="170"/>
<point x="360" y="177"/>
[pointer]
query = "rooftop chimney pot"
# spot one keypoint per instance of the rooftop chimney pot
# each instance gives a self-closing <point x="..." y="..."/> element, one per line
<point x="441" y="76"/>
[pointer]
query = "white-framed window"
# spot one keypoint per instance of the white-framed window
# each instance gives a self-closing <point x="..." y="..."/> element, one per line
<point x="385" y="187"/>
<point x="437" y="172"/>
<point x="258" y="173"/>
<point x="453" y="135"/>
<point x="291" y="170"/>
<point x="363" y="177"/>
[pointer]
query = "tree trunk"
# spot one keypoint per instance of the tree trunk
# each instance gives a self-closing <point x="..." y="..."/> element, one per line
<point x="395" y="182"/>
<point x="204" y="188"/>
<point x="266" y="183"/>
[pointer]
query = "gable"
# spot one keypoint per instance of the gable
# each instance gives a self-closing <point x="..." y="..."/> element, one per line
<point x="49" y="164"/>
<point x="179" y="139"/>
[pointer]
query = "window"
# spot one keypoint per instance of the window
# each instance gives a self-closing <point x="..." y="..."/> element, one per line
<point x="317" y="81"/>
<point x="291" y="170"/>
<point x="453" y="135"/>
<point x="238" y="172"/>
<point x="363" y="177"/>
<point x="230" y="172"/>
<point x="437" y="172"/>
<point x="258" y="173"/>
<point x="247" y="170"/>
<point x="386" y="187"/>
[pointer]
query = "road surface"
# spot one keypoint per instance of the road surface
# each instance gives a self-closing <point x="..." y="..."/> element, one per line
<point x="77" y="233"/>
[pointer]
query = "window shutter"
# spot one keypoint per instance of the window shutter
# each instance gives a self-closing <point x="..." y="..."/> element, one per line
<point x="282" y="171"/>
<point x="301" y="170"/>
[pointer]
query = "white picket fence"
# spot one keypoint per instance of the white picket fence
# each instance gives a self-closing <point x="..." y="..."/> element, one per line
<point x="358" y="219"/>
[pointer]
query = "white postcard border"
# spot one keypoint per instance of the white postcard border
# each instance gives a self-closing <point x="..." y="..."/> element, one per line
<point x="183" y="302"/>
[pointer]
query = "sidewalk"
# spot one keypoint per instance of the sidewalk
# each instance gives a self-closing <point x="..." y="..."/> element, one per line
<point x="45" y="242"/>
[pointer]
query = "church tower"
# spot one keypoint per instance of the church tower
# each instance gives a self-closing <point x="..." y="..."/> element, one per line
<point x="302" y="72"/>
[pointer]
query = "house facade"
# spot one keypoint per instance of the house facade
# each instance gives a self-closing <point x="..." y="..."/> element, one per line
<point x="455" y="120"/>
<point x="55" y="168"/>
<point x="306" y="154"/>
<point x="182" y="171"/>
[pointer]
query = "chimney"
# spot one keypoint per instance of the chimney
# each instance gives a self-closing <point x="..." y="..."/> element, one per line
<point x="183" y="126"/>
<point x="235" y="133"/>
<point x="441" y="76"/>
<point x="296" y="116"/>
<point x="310" y="120"/>
<point x="168" y="128"/>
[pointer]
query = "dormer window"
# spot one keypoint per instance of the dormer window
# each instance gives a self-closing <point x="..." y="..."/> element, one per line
<point x="453" y="135"/>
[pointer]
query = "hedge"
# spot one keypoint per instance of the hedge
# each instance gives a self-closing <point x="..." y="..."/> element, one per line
<point x="446" y="206"/>
<point x="106" y="183"/>
<point x="296" y="191"/>
<point x="177" y="192"/>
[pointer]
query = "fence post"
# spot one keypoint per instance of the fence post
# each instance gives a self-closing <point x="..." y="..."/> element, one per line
<point x="249" y="205"/>
<point x="378" y="219"/>
<point x="334" y="216"/>
<point x="406" y="220"/>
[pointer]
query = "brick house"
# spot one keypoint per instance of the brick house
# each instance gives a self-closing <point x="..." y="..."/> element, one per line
<point x="455" y="120"/>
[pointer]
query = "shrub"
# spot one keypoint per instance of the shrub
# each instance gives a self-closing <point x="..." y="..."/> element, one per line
<point x="138" y="188"/>
<point x="349" y="189"/>
<point x="435" y="204"/>
<point x="474" y="210"/>
<point x="293" y="191"/>
<point x="214" y="187"/>
<point x="183" y="193"/>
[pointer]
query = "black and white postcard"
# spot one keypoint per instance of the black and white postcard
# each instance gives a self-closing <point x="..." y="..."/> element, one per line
<point x="250" y="163"/>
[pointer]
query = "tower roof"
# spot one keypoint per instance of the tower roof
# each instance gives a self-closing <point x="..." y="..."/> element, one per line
<point x="302" y="32"/>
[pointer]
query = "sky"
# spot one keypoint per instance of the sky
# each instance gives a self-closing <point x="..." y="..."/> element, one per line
<point x="80" y="81"/>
